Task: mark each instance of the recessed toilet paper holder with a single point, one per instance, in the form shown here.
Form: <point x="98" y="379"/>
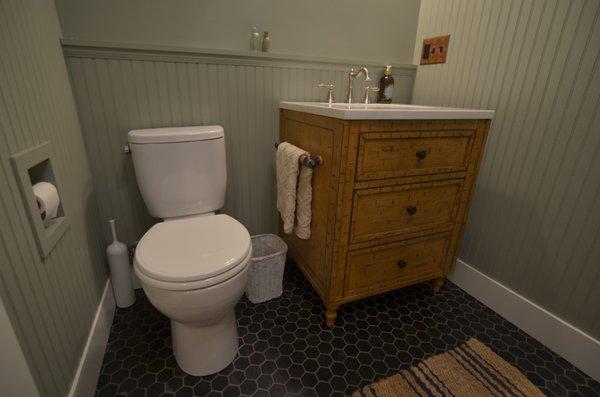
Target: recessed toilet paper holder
<point x="31" y="166"/>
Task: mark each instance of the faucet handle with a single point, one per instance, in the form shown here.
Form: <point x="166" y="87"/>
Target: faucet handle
<point x="330" y="88"/>
<point x="368" y="91"/>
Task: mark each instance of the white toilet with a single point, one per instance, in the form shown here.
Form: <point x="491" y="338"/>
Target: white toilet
<point x="193" y="266"/>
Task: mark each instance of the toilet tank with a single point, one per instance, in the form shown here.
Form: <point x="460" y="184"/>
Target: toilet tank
<point x="180" y="171"/>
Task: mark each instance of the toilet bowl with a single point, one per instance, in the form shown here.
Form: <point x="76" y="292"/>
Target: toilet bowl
<point x="193" y="266"/>
<point x="194" y="270"/>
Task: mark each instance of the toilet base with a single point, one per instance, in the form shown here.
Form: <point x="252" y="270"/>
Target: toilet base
<point x="205" y="350"/>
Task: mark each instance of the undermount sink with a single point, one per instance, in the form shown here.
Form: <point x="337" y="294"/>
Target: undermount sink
<point x="385" y="111"/>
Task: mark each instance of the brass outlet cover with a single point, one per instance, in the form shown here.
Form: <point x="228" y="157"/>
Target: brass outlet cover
<point x="435" y="50"/>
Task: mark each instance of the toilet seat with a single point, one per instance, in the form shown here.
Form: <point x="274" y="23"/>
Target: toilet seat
<point x="192" y="253"/>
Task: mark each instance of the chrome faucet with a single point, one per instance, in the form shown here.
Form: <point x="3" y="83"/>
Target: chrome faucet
<point x="351" y="76"/>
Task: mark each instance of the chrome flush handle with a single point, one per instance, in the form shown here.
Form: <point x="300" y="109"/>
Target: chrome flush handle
<point x="330" y="88"/>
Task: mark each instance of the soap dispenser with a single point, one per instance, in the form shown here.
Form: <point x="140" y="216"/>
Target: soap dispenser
<point x="386" y="86"/>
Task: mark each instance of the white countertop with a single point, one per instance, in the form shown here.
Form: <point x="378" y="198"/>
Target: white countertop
<point x="382" y="111"/>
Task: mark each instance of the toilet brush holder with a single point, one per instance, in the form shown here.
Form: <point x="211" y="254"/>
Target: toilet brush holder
<point x="120" y="270"/>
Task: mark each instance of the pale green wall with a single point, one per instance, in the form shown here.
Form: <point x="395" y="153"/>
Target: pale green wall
<point x="51" y="302"/>
<point x="535" y="220"/>
<point x="381" y="30"/>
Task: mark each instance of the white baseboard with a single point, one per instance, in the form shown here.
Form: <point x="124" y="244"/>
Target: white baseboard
<point x="88" y="371"/>
<point x="580" y="349"/>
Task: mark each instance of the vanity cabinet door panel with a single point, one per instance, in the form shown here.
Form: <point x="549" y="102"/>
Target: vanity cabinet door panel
<point x="384" y="155"/>
<point x="390" y="266"/>
<point x="395" y="210"/>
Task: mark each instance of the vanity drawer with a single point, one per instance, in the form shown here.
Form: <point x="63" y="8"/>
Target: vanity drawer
<point x="394" y="210"/>
<point x="395" y="154"/>
<point x="394" y="265"/>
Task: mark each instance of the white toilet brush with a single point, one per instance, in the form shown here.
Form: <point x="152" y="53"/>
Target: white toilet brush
<point x="120" y="270"/>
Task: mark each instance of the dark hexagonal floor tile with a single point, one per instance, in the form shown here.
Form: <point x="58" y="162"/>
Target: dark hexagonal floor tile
<point x="285" y="348"/>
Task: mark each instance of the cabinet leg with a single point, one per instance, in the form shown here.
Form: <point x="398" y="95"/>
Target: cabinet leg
<point x="330" y="316"/>
<point x="437" y="284"/>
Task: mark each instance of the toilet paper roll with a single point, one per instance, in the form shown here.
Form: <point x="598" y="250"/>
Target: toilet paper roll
<point x="47" y="199"/>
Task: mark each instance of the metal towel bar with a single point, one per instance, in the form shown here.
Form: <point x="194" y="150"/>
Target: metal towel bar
<point x="308" y="161"/>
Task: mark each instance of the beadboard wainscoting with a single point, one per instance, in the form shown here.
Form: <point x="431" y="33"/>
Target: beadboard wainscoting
<point x="118" y="88"/>
<point x="535" y="220"/>
<point x="50" y="301"/>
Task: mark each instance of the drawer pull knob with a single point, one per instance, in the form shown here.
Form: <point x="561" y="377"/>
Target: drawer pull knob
<point x="401" y="264"/>
<point x="411" y="209"/>
<point x="421" y="154"/>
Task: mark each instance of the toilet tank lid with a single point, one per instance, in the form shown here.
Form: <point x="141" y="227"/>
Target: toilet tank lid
<point x="175" y="134"/>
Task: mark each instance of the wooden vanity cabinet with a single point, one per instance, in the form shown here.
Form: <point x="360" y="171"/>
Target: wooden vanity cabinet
<point x="389" y="201"/>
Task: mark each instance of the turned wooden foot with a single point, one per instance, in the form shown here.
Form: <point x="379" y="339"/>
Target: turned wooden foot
<point x="330" y="316"/>
<point x="437" y="284"/>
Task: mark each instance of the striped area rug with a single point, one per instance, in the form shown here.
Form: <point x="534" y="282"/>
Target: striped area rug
<point x="470" y="369"/>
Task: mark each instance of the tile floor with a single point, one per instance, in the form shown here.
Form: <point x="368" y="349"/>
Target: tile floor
<point x="285" y="349"/>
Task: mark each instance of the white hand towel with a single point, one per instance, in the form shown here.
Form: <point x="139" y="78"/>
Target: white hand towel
<point x="303" y="203"/>
<point x="286" y="162"/>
